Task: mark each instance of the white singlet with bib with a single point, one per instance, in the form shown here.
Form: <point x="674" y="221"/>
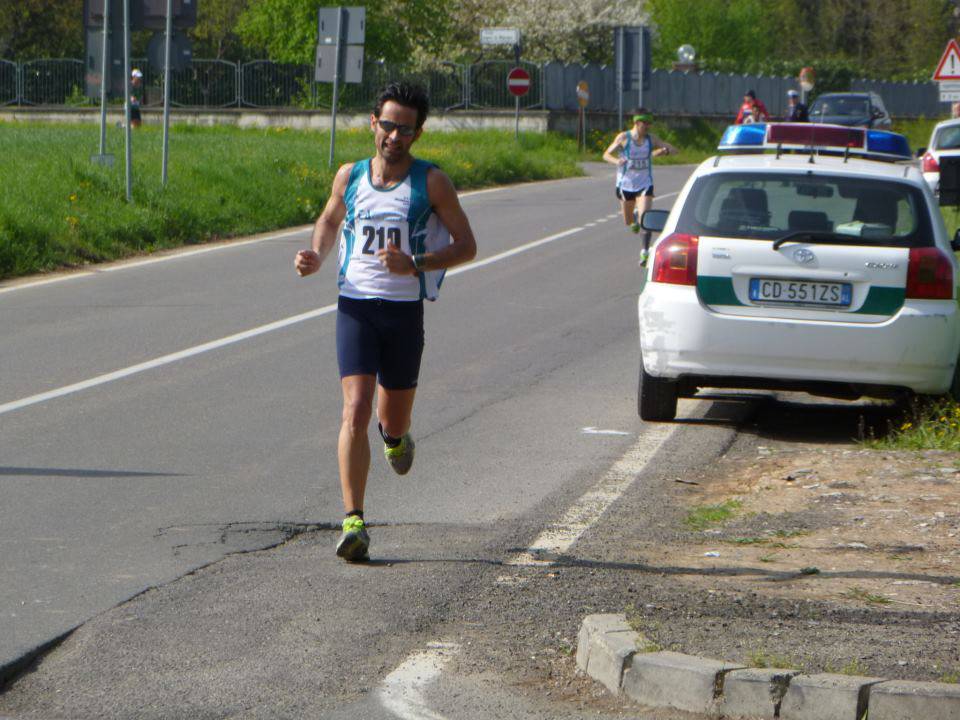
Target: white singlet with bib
<point x="401" y="215"/>
<point x="636" y="173"/>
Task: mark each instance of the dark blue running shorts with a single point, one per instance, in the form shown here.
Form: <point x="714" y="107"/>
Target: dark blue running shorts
<point x="629" y="195"/>
<point x="380" y="337"/>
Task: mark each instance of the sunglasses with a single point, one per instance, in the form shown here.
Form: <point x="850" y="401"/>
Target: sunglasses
<point x="388" y="126"/>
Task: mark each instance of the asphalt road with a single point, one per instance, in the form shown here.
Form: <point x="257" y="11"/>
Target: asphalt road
<point x="157" y="417"/>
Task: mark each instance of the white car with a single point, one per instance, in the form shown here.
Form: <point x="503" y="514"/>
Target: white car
<point x="944" y="140"/>
<point x="803" y="257"/>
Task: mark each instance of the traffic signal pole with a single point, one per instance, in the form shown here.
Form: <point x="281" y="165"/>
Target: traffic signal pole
<point x="104" y="72"/>
<point x="126" y="95"/>
<point x="166" y="95"/>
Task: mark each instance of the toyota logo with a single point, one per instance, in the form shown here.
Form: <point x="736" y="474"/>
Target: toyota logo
<point x="804" y="256"/>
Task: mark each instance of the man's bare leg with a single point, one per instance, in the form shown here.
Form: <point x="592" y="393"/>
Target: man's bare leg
<point x="394" y="409"/>
<point x="353" y="447"/>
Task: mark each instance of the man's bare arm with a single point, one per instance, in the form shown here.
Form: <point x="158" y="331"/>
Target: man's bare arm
<point x="328" y="224"/>
<point x="443" y="197"/>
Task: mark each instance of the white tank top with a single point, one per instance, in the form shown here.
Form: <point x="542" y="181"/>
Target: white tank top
<point x="401" y="214"/>
<point x="636" y="173"/>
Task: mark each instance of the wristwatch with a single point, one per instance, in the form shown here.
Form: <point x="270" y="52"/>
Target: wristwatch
<point x="419" y="262"/>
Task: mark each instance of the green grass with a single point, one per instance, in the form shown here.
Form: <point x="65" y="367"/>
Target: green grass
<point x="858" y="593"/>
<point x="763" y="659"/>
<point x="59" y="210"/>
<point x="923" y="425"/>
<point x="706" y="516"/>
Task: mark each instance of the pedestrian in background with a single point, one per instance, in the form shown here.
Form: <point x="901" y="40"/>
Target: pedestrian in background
<point x="752" y="110"/>
<point x="136" y="83"/>
<point x="796" y="110"/>
<point x="955" y="110"/>
<point x="402" y="227"/>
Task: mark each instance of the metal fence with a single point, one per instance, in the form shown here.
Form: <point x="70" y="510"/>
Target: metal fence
<point x="452" y="86"/>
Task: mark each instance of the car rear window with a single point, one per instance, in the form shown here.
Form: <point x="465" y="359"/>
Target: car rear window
<point x="836" y="105"/>
<point x="948" y="138"/>
<point x="765" y="206"/>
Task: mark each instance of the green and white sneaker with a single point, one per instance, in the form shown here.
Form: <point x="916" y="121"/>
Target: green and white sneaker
<point x="635" y="228"/>
<point x="400" y="457"/>
<point x="354" y="543"/>
<point x="644" y="256"/>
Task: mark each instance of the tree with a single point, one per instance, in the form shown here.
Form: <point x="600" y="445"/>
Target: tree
<point x="572" y="32"/>
<point x="41" y="28"/>
<point x="287" y="29"/>
<point x="214" y="35"/>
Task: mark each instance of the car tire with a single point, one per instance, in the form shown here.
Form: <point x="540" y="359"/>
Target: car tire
<point x="656" y="397"/>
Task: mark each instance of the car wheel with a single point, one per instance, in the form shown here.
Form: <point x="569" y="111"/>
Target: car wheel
<point x="656" y="397"/>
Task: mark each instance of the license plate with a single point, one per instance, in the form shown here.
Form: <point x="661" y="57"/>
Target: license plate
<point x="800" y="292"/>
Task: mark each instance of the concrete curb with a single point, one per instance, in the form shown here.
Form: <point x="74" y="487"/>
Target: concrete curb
<point x="627" y="663"/>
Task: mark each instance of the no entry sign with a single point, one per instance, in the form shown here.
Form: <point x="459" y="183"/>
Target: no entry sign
<point x="518" y="82"/>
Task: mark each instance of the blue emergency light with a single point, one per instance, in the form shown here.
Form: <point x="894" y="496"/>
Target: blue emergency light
<point x="815" y="137"/>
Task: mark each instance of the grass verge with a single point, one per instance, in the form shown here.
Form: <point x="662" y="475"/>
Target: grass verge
<point x="706" y="516"/>
<point x="59" y="210"/>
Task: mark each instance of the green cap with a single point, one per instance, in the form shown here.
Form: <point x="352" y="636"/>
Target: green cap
<point x="643" y="118"/>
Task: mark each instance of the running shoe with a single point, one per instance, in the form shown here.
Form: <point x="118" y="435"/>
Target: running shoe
<point x="400" y="456"/>
<point x="644" y="256"/>
<point x="635" y="227"/>
<point x="354" y="542"/>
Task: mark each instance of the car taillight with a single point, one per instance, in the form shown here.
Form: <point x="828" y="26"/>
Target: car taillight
<point x="676" y="260"/>
<point x="929" y="274"/>
<point x="930" y="163"/>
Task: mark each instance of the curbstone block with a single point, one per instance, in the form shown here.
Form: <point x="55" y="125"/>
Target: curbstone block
<point x="754" y="692"/>
<point x="669" y="679"/>
<point x="826" y="696"/>
<point x="909" y="699"/>
<point x="593" y="625"/>
<point x="605" y="645"/>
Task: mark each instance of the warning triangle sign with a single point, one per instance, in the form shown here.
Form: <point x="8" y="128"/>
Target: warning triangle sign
<point x="949" y="66"/>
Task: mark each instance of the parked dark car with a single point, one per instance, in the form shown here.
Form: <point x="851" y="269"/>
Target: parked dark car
<point x="856" y="109"/>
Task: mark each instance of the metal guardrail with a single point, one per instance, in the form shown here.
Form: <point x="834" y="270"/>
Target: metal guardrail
<point x="9" y="83"/>
<point x="482" y="85"/>
<point x="488" y="85"/>
<point x="50" y="82"/>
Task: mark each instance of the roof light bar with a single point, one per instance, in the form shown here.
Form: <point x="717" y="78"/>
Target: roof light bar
<point x="810" y="137"/>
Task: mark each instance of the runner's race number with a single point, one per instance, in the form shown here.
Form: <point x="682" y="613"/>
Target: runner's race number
<point x="374" y="237"/>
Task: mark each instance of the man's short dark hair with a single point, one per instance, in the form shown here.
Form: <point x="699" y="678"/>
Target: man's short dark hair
<point x="407" y="94"/>
<point x="750" y="94"/>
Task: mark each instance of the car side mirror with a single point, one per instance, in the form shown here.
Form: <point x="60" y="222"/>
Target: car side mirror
<point x="654" y="220"/>
<point x="955" y="243"/>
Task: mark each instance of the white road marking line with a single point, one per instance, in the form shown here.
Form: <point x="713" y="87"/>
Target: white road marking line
<point x="178" y="255"/>
<point x="597" y="431"/>
<point x="589" y="224"/>
<point x="184" y="253"/>
<point x="560" y="537"/>
<point x="402" y="690"/>
<point x="245" y="335"/>
<point x="164" y="360"/>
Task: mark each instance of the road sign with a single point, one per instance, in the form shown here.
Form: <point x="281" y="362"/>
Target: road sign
<point x="353" y="30"/>
<point x="499" y="36"/>
<point x="807" y="79"/>
<point x="518" y="82"/>
<point x="949" y="90"/>
<point x="949" y="66"/>
<point x="583" y="93"/>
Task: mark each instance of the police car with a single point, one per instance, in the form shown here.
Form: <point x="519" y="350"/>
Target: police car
<point x="803" y="257"/>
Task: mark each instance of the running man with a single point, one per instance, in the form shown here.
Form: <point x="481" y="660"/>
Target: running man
<point x="402" y="227"/>
<point x="632" y="152"/>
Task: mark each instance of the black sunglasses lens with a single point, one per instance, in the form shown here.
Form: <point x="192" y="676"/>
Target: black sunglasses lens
<point x="389" y="126"/>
